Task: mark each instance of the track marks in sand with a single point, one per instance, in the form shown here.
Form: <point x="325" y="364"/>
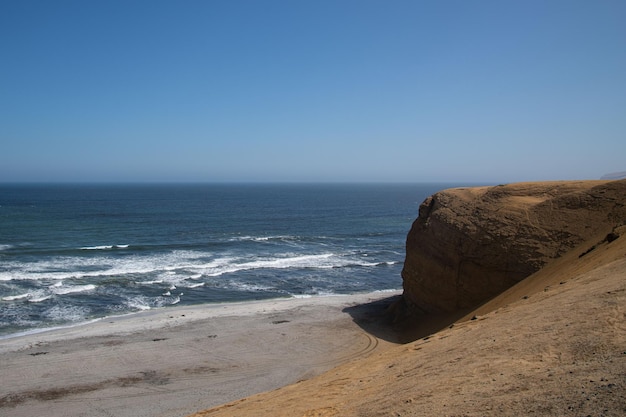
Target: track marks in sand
<point x="370" y="343"/>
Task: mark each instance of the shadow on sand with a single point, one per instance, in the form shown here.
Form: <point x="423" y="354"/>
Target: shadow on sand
<point x="385" y="319"/>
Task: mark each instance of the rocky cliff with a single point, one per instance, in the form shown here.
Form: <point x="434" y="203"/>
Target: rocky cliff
<point x="470" y="244"/>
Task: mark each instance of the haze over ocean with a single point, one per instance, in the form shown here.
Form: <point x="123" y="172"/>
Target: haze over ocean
<point x="331" y="91"/>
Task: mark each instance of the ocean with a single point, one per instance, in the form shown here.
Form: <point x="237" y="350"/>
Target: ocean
<point x="75" y="253"/>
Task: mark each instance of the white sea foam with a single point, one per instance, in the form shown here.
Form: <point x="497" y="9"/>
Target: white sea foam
<point x="66" y="313"/>
<point x="105" y="247"/>
<point x="318" y="293"/>
<point x="326" y="260"/>
<point x="386" y="290"/>
<point x="321" y="293"/>
<point x="17" y="297"/>
<point x="172" y="267"/>
<point x="138" y="303"/>
<point x="97" y="247"/>
<point x="39" y="299"/>
<point x="66" y="267"/>
<point x="249" y="287"/>
<point x="73" y="289"/>
<point x="317" y="261"/>
<point x="146" y="303"/>
<point x="5" y="247"/>
<point x="263" y="238"/>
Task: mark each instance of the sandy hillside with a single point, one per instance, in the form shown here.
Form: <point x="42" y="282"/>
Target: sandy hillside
<point x="554" y="344"/>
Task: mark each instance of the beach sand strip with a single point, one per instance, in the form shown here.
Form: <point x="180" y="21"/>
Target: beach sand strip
<point x="175" y="361"/>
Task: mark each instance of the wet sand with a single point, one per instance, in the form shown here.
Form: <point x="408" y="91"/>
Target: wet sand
<point x="175" y="361"/>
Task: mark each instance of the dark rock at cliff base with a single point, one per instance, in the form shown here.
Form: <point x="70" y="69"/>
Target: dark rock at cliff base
<point x="470" y="244"/>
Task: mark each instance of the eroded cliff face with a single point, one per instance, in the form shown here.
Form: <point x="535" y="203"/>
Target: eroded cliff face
<point x="470" y="244"/>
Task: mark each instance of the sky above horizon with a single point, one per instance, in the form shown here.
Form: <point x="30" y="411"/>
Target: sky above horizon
<point x="312" y="91"/>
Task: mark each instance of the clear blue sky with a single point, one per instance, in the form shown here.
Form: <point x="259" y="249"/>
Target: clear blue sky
<point x="263" y="90"/>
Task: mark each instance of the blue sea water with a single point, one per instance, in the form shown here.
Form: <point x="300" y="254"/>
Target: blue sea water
<point x="72" y="253"/>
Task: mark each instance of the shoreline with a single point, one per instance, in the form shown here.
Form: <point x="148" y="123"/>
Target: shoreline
<point x="178" y="360"/>
<point x="173" y="307"/>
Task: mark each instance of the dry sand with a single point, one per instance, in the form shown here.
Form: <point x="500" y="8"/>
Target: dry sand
<point x="175" y="361"/>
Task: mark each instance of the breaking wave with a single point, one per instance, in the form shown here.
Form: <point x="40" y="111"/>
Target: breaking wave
<point x="105" y="247"/>
<point x="190" y="264"/>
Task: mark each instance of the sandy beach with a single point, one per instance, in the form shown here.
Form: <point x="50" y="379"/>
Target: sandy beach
<point x="175" y="361"/>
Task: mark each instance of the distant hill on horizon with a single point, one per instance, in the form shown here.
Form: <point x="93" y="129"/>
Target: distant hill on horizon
<point x="614" y="176"/>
